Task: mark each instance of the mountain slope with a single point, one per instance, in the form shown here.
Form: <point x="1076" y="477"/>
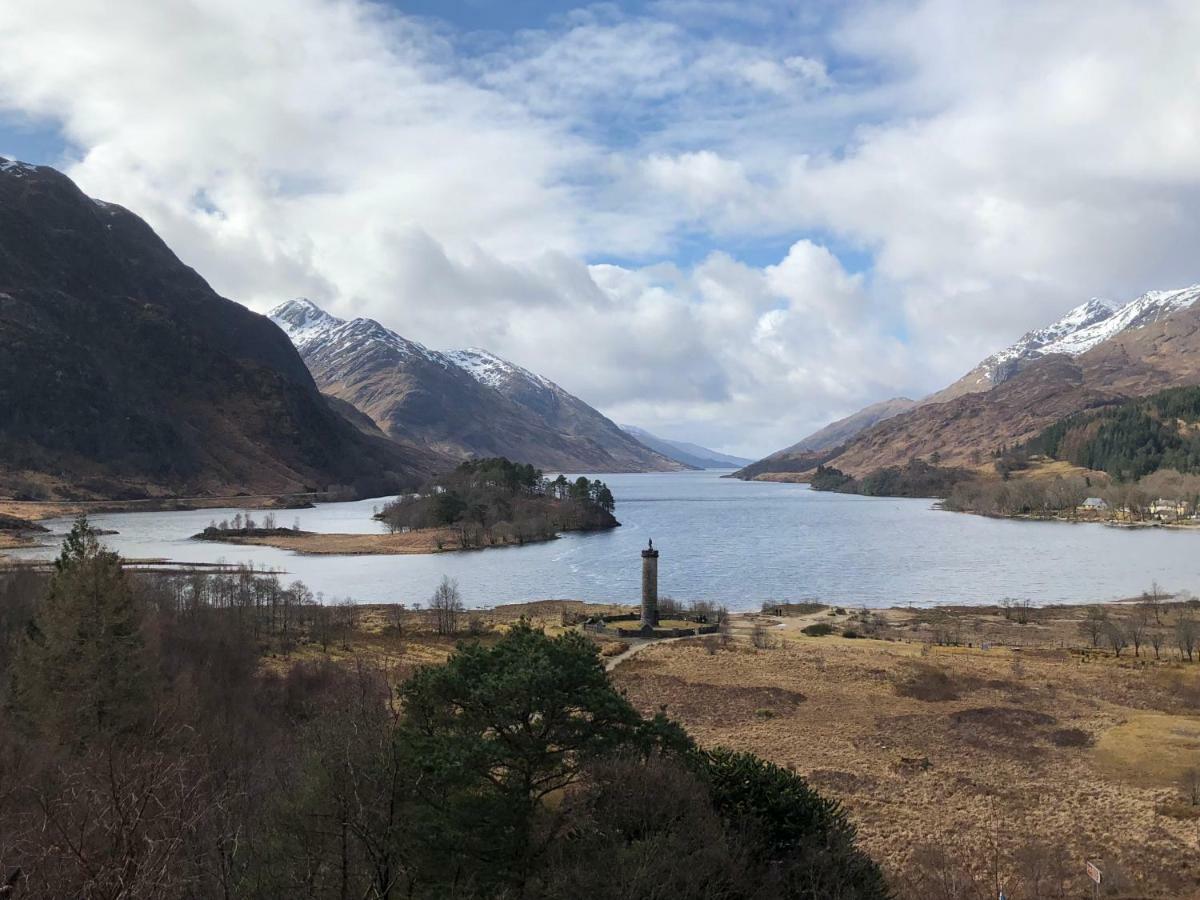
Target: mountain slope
<point x="837" y="433"/>
<point x="685" y="452"/>
<point x="463" y="403"/>
<point x="1149" y="344"/>
<point x="123" y="374"/>
<point x="563" y="412"/>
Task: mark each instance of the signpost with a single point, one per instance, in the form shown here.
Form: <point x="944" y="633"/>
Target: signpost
<point x="1093" y="872"/>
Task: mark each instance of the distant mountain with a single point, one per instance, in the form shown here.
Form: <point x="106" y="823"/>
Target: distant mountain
<point x="1098" y="354"/>
<point x="836" y="433"/>
<point x="465" y="403"/>
<point x="122" y="374"/>
<point x="687" y="453"/>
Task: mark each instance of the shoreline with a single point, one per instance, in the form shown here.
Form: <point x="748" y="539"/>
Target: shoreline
<point x="938" y="504"/>
<point x="411" y="543"/>
<point x="40" y="510"/>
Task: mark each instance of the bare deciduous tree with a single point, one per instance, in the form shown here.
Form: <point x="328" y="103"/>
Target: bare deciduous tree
<point x="1115" y="634"/>
<point x="761" y="637"/>
<point x="447" y="605"/>
<point x="1189" y="784"/>
<point x="1187" y="632"/>
<point x="1157" y="638"/>
<point x="1137" y="627"/>
<point x="1094" y="624"/>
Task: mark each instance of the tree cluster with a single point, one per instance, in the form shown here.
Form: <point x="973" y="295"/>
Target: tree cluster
<point x="1132" y="439"/>
<point x="917" y="478"/>
<point x="495" y="501"/>
<point x="1152" y="625"/>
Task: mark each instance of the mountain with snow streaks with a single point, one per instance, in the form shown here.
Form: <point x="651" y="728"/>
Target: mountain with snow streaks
<point x="466" y="403"/>
<point x="1098" y="354"/>
<point x="1084" y="327"/>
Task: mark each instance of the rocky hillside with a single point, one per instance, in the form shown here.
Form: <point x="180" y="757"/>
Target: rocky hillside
<point x="1147" y="345"/>
<point x="685" y="452"/>
<point x="122" y="374"/>
<point x="465" y="403"/>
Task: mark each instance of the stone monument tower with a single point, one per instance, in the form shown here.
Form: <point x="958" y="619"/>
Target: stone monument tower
<point x="650" y="587"/>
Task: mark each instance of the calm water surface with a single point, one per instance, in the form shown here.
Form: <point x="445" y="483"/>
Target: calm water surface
<point x="730" y="541"/>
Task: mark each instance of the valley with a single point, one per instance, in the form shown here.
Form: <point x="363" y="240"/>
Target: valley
<point x="635" y="450"/>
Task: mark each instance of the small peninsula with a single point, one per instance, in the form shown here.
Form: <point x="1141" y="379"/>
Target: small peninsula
<point x="482" y="504"/>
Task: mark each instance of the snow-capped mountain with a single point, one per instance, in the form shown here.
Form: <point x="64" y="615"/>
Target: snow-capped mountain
<point x="465" y="403"/>
<point x="1151" y="307"/>
<point x="1097" y="355"/>
<point x="1083" y="328"/>
<point x="309" y="326"/>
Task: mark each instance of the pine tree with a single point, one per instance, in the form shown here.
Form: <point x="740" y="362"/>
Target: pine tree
<point x="83" y="671"/>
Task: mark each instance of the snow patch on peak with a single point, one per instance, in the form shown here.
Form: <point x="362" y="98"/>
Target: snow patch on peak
<point x="1084" y="327"/>
<point x="15" y="167"/>
<point x="1147" y="309"/>
<point x="303" y="321"/>
<point x="489" y="369"/>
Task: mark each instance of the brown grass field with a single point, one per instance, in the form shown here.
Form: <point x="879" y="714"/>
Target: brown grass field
<point x="965" y="770"/>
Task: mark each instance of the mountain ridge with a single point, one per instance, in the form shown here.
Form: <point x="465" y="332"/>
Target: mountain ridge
<point x="465" y="403"/>
<point x="686" y="452"/>
<point x="123" y="374"/>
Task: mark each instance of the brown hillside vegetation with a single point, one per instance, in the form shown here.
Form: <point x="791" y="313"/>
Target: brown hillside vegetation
<point x="964" y="769"/>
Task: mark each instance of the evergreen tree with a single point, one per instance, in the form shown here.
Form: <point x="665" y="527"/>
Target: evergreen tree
<point x="82" y="672"/>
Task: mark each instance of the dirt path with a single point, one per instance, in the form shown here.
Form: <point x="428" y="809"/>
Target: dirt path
<point x="613" y="661"/>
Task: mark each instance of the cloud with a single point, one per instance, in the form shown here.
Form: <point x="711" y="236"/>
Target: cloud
<point x="577" y="196"/>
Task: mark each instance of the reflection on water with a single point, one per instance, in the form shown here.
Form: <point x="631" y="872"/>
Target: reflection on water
<point x="734" y="542"/>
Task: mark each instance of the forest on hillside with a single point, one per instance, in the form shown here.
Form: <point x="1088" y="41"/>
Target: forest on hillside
<point x="224" y="735"/>
<point x="1132" y="439"/>
<point x="495" y="501"/>
<point x="917" y="478"/>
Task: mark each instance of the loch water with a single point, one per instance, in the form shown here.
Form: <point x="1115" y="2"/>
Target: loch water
<point x="734" y="542"/>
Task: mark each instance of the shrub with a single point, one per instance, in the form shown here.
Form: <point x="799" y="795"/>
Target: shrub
<point x="851" y="633"/>
<point x="762" y="638"/>
<point x="817" y="629"/>
<point x="615" y="648"/>
<point x="929" y="683"/>
<point x="1071" y="737"/>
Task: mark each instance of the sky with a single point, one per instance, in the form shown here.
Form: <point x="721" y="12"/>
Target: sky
<point x="725" y="221"/>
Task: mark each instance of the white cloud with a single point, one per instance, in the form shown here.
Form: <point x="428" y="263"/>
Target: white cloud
<point x="993" y="168"/>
